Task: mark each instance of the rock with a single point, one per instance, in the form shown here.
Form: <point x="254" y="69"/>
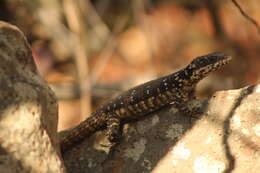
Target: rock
<point x="28" y="110"/>
<point x="224" y="138"/>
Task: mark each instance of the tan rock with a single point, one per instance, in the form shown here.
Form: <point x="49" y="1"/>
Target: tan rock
<point x="28" y="110"/>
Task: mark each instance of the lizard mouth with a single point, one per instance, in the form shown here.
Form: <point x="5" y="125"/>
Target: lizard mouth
<point x="225" y="59"/>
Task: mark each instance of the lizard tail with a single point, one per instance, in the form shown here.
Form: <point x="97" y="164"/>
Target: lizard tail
<point x="83" y="130"/>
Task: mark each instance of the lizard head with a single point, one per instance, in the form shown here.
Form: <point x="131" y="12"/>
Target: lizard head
<point x="201" y="66"/>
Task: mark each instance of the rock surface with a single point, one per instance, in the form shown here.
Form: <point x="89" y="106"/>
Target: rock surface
<point x="225" y="138"/>
<point x="28" y="110"/>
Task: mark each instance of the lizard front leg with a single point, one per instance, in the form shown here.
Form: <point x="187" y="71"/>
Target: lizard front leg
<point x="187" y="104"/>
<point x="188" y="108"/>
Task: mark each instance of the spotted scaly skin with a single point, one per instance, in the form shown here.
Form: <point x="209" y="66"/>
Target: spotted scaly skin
<point x="177" y="89"/>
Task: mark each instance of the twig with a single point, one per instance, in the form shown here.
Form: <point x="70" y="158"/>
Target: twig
<point x="108" y="50"/>
<point x="76" y="25"/>
<point x="103" y="33"/>
<point x="100" y="28"/>
<point x="246" y="15"/>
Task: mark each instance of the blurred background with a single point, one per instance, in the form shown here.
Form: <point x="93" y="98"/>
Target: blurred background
<point x="89" y="51"/>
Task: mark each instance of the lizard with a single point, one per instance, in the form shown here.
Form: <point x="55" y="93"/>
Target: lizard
<point x="177" y="88"/>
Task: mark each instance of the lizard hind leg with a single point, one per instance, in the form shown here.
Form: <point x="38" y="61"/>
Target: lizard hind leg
<point x="113" y="129"/>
